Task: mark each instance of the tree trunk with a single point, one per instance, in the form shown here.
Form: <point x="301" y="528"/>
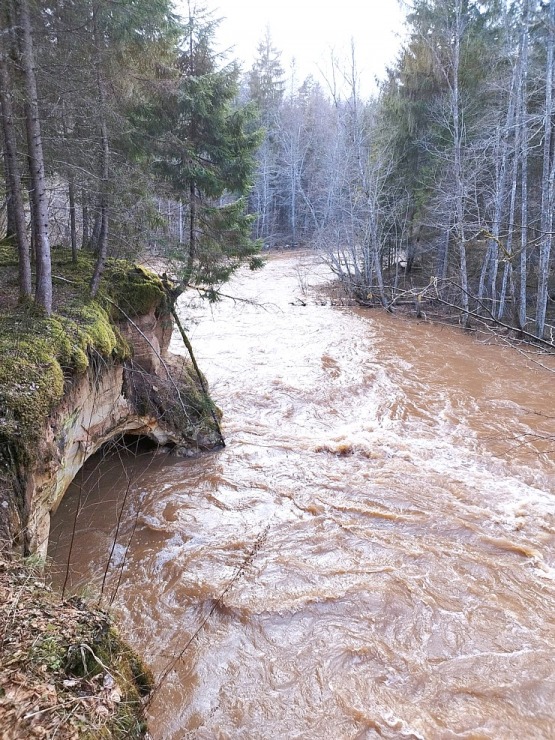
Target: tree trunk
<point x="15" y="205"/>
<point x="502" y="159"/>
<point x="457" y="140"/>
<point x="72" y="220"/>
<point x="445" y="257"/>
<point x="70" y="191"/>
<point x="546" y="195"/>
<point x="508" y="280"/>
<point x="104" y="167"/>
<point x="102" y="249"/>
<point x="379" y="277"/>
<point x="180" y="227"/>
<point x="192" y="232"/>
<point x="43" y="292"/>
<point x="11" y="232"/>
<point x="94" y="241"/>
<point x="524" y="171"/>
<point x="85" y="218"/>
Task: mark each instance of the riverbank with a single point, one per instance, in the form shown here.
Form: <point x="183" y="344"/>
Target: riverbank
<point x="415" y="298"/>
<point x="71" y="382"/>
<point x="94" y="371"/>
<point x="65" y="671"/>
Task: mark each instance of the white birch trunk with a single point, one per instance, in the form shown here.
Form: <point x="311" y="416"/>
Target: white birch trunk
<point x="546" y="198"/>
<point x="459" y="181"/>
<point x="524" y="172"/>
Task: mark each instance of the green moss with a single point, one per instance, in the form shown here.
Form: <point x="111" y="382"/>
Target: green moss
<point x="64" y="653"/>
<point x="49" y="650"/>
<point x="39" y="354"/>
<point x="91" y="330"/>
<point x="134" y="289"/>
<point x="97" y="650"/>
<point x="105" y="649"/>
<point x="31" y="375"/>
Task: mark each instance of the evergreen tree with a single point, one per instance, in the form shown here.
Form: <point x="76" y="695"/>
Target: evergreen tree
<point x="69" y="71"/>
<point x="16" y="221"/>
<point x="265" y="80"/>
<point x="206" y="154"/>
<point x="265" y="87"/>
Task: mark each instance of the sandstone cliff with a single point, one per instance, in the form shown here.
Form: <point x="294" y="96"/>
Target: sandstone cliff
<point x="69" y="384"/>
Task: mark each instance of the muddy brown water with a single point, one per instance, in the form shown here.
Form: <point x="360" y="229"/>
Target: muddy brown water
<point x="373" y="553"/>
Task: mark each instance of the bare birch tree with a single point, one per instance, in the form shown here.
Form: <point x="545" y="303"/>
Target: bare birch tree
<point x="547" y="180"/>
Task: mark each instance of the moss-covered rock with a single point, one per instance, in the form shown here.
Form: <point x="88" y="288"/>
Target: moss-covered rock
<point x="89" y="366"/>
<point x="134" y="289"/>
<point x="70" y="382"/>
<point x="39" y="355"/>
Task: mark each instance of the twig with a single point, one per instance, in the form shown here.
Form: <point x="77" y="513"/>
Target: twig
<point x="57" y="706"/>
<point x="189" y="346"/>
<point x="495" y="320"/>
<point x="240" y="570"/>
<point x="158" y="355"/>
<point x="129" y="541"/>
<point x="115" y="537"/>
<point x="235" y="299"/>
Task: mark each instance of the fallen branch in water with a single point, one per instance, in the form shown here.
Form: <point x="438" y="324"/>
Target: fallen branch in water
<point x="238" y="573"/>
<point x="496" y="321"/>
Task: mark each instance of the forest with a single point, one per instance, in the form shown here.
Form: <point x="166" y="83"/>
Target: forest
<point x="365" y="544"/>
<point x="126" y="131"/>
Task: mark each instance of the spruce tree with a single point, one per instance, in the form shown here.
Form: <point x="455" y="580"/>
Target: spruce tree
<point x="207" y="157"/>
<point x="265" y="88"/>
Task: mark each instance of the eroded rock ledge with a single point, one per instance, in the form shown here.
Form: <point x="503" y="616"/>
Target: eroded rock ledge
<point x="153" y="395"/>
<point x="131" y="386"/>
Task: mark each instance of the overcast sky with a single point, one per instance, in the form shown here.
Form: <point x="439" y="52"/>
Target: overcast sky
<point x="308" y="29"/>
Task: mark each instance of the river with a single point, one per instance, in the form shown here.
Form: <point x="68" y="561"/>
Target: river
<point x="372" y="555"/>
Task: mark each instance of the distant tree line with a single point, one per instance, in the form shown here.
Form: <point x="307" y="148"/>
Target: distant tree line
<point x="106" y="108"/>
<point x="124" y="130"/>
<point x="441" y="187"/>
